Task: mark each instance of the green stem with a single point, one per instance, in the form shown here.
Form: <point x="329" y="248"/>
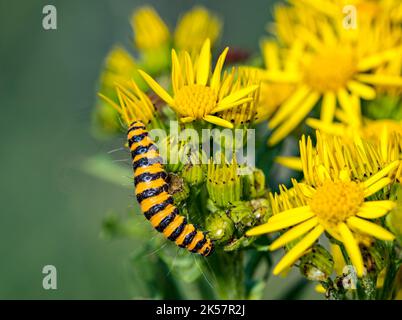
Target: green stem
<point x="229" y="275"/>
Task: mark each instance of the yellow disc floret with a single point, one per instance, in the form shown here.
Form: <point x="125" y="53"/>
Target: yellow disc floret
<point x="195" y="100"/>
<point x="330" y="69"/>
<point x="334" y="202"/>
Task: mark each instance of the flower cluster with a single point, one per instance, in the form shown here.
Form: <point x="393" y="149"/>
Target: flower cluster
<point x="330" y="78"/>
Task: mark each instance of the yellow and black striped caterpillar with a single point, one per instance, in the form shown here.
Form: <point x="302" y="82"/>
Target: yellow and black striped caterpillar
<point x="151" y="190"/>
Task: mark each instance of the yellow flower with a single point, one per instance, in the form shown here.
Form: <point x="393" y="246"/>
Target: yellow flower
<point x="198" y="95"/>
<point x="120" y="67"/>
<point x="338" y="207"/>
<point x="133" y="104"/>
<point x="379" y="143"/>
<point x="271" y="95"/>
<point x="150" y="32"/>
<point x="330" y="65"/>
<point x="246" y="113"/>
<point x="194" y="27"/>
<point x="338" y="179"/>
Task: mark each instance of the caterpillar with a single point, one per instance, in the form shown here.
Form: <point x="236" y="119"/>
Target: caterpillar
<point x="151" y="190"/>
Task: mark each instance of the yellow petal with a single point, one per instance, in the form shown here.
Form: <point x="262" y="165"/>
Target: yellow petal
<point x="289" y="213"/>
<point x="377" y="59"/>
<point x="375" y="209"/>
<point x="235" y="96"/>
<point x="289" y="106"/>
<point x="361" y="90"/>
<point x="293" y="163"/>
<point x="336" y="129"/>
<point x="298" y="250"/>
<point x="352" y="248"/>
<point x="189" y="68"/>
<point x="187" y="119"/>
<point x="381" y="174"/>
<point x="298" y="115"/>
<point x="370" y="228"/>
<point x="177" y="76"/>
<point x="204" y="63"/>
<point x="157" y="88"/>
<point x="380" y="79"/>
<point x="216" y="76"/>
<point x="382" y="183"/>
<point x="232" y="105"/>
<point x="294" y="233"/>
<point x="218" y="121"/>
<point x="279" y="225"/>
<point x="281" y="77"/>
<point x="328" y="107"/>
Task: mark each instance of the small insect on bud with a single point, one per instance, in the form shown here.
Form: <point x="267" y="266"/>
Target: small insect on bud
<point x="374" y="258"/>
<point x="220" y="227"/>
<point x="178" y="188"/>
<point x="261" y="209"/>
<point x="254" y="184"/>
<point x="317" y="265"/>
<point x="194" y="174"/>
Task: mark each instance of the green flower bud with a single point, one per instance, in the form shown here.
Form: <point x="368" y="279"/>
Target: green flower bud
<point x="241" y="214"/>
<point x="219" y="226"/>
<point x="178" y="188"/>
<point x="223" y="184"/>
<point x="317" y="265"/>
<point x="261" y="210"/>
<point x="194" y="174"/>
<point x="254" y="184"/>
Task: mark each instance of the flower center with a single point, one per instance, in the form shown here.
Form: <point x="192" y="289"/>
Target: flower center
<point x="195" y="101"/>
<point x="330" y="69"/>
<point x="334" y="202"/>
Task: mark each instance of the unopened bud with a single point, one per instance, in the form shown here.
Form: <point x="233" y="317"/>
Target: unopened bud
<point x="317" y="265"/>
<point x="194" y="174"/>
<point x="223" y="184"/>
<point x="254" y="184"/>
<point x="219" y="226"/>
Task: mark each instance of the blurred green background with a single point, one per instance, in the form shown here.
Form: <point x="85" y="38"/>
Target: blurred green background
<point x="51" y="210"/>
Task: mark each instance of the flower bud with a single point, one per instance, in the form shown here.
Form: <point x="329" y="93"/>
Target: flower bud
<point x="317" y="265"/>
<point x="223" y="184"/>
<point x="241" y="214"/>
<point x="261" y="210"/>
<point x="194" y="175"/>
<point x="219" y="226"/>
<point x="254" y="184"/>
